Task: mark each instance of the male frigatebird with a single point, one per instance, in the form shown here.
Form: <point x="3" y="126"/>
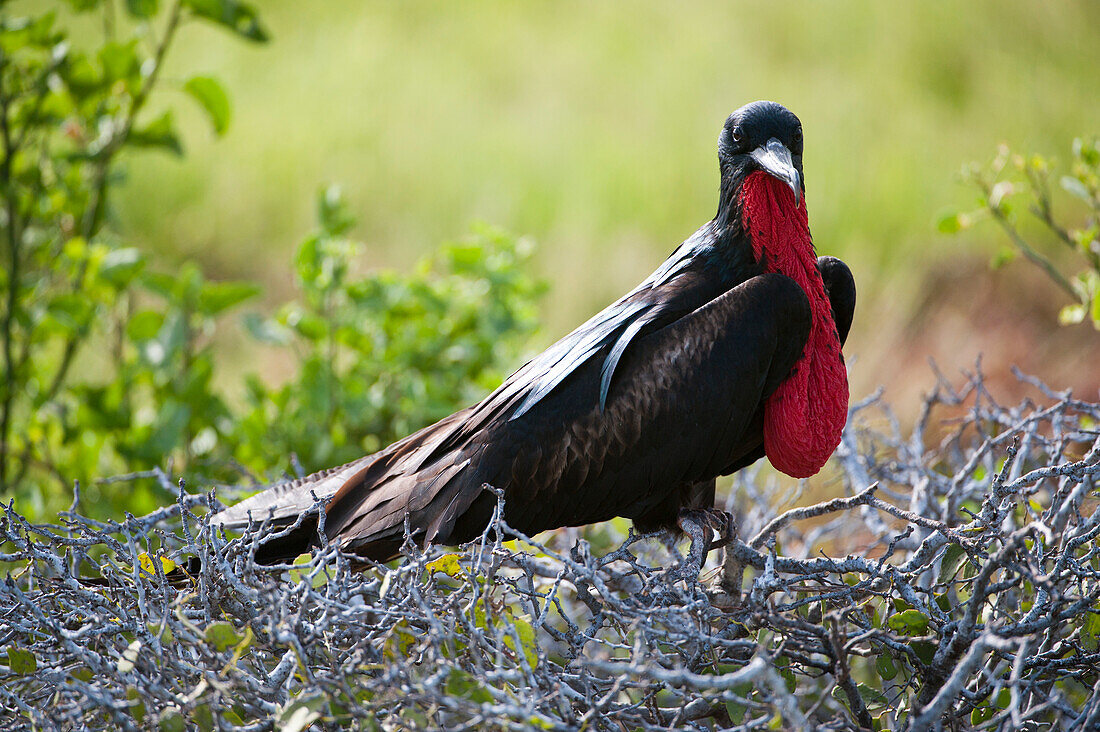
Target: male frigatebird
<point x="730" y="351"/>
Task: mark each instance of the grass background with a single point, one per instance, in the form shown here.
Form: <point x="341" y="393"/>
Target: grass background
<point x="592" y="127"/>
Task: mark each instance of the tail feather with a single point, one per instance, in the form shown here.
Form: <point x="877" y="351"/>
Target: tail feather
<point x="282" y="503"/>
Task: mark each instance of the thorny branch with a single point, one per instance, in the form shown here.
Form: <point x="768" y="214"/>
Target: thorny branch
<point x="955" y="586"/>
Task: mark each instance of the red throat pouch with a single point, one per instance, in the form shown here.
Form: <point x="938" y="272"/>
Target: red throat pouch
<point x="804" y="418"/>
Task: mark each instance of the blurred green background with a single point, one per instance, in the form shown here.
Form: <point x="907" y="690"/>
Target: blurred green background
<point x="592" y="128"/>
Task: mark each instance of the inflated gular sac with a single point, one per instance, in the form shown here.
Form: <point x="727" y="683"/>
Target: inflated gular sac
<point x="804" y="418"/>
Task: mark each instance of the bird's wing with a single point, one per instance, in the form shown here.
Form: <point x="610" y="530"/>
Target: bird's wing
<point x="840" y="286"/>
<point x="650" y="302"/>
<point x="662" y="297"/>
<point x="687" y="394"/>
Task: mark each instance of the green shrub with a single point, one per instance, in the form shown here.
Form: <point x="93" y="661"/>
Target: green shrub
<point x="109" y="364"/>
<point x="95" y="380"/>
<point x="381" y="355"/>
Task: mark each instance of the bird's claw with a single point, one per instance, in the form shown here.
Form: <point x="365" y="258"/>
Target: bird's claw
<point x="708" y="528"/>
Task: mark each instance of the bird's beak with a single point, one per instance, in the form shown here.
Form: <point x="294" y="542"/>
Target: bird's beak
<point x="774" y="157"/>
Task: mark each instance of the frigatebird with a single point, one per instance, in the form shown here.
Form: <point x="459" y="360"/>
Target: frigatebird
<point x="729" y="351"/>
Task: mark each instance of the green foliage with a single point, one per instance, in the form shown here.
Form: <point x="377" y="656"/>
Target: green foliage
<point x="1013" y="184"/>
<point x="106" y="364"/>
<point x="384" y="354"/>
<point x="109" y="363"/>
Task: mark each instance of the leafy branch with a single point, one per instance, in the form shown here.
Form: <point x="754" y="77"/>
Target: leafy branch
<point x="1014" y="182"/>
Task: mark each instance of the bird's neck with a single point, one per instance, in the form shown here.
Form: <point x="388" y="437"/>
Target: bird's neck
<point x="804" y="418"/>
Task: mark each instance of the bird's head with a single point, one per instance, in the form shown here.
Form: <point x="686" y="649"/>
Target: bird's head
<point x="761" y="136"/>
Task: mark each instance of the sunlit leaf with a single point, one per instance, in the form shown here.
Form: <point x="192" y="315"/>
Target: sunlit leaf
<point x="21" y="662"/>
<point x="908" y="622"/>
<point x="144" y="325"/>
<point x="949" y="222"/>
<point x="239" y="17"/>
<point x="216" y="297"/>
<point x="120" y="266"/>
<point x="266" y="330"/>
<point x="147" y="566"/>
<point x="447" y="564"/>
<point x="1072" y="314"/>
<point x="222" y="636"/>
<point x="1076" y="188"/>
<point x="119" y="60"/>
<point x="159" y="134"/>
<point x="1003" y="256"/>
<point x="142" y="8"/>
<point x="208" y="92"/>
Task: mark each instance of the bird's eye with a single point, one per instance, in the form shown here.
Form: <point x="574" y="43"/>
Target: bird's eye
<point x="798" y="135"/>
<point x="738" y="135"/>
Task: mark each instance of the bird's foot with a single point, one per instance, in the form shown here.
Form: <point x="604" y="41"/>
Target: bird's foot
<point x="708" y="528"/>
<point x="725" y="593"/>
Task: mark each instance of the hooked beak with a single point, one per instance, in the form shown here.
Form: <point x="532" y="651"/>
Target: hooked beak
<point x="774" y="157"/>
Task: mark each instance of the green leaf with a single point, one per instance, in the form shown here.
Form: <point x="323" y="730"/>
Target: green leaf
<point x="1090" y="632"/>
<point x="169" y="339"/>
<point x="1076" y="188"/>
<point x="172" y="721"/>
<point x="120" y="266"/>
<point x="72" y="312"/>
<point x="168" y="434"/>
<point x="908" y="622"/>
<point x="526" y="633"/>
<point x="887" y="669"/>
<point x="310" y="326"/>
<point x="464" y="685"/>
<point x="1003" y="256"/>
<point x="300" y="713"/>
<point x="222" y="636"/>
<point x="203" y="718"/>
<point x="142" y="8"/>
<point x="949" y="222"/>
<point x="137" y="706"/>
<point x="925" y="650"/>
<point x="208" y="92"/>
<point x="119" y="60"/>
<point x="1071" y="314"/>
<point x="332" y="211"/>
<point x="266" y="330"/>
<point x="871" y="697"/>
<point x="949" y="563"/>
<point x="21" y="662"/>
<point x="216" y="297"/>
<point x="241" y="18"/>
<point x="162" y="284"/>
<point x="981" y="714"/>
<point x="144" y="325"/>
<point x="160" y="133"/>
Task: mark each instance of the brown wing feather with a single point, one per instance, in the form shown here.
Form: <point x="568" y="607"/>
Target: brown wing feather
<point x="676" y="416"/>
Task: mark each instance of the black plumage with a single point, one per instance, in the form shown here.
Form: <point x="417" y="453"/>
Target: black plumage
<point x="632" y="414"/>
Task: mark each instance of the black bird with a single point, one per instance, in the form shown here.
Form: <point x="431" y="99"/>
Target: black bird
<point x="730" y="351"/>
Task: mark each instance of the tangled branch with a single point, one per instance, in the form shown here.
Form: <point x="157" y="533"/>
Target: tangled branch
<point x="956" y="585"/>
